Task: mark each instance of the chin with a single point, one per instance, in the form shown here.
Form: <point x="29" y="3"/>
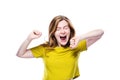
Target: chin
<point x="65" y="44"/>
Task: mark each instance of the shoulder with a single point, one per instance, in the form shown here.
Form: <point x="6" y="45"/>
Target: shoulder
<point x="82" y="45"/>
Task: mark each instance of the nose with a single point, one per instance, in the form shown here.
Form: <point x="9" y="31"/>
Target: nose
<point x="62" y="31"/>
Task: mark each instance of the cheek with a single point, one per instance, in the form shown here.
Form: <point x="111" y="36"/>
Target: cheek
<point x="56" y="34"/>
<point x="68" y="32"/>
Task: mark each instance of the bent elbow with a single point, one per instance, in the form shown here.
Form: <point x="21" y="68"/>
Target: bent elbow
<point x="18" y="55"/>
<point x="101" y="31"/>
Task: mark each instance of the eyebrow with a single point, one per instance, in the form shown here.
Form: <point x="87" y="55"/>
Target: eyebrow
<point x="66" y="26"/>
<point x="63" y="26"/>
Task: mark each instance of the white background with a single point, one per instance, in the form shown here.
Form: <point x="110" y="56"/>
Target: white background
<point x="19" y="17"/>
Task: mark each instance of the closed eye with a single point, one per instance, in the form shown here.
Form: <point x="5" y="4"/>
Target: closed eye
<point x="58" y="28"/>
<point x="66" y="27"/>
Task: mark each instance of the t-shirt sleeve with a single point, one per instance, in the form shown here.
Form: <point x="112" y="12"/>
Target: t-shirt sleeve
<point x="82" y="46"/>
<point x="38" y="51"/>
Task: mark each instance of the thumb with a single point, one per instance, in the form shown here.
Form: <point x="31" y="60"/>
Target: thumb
<point x="36" y="32"/>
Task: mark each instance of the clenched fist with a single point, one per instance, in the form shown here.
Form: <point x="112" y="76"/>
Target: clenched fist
<point x="74" y="42"/>
<point x="34" y="35"/>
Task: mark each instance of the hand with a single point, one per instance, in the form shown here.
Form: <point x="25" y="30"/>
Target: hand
<point x="34" y="35"/>
<point x="74" y="42"/>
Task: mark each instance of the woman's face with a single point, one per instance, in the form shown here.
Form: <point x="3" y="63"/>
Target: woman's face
<point x="62" y="33"/>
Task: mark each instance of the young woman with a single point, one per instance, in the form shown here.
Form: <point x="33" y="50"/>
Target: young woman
<point x="60" y="54"/>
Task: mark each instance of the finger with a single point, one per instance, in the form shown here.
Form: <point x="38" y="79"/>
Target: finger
<point x="72" y="43"/>
<point x="37" y="32"/>
<point x="73" y="39"/>
<point x="72" y="46"/>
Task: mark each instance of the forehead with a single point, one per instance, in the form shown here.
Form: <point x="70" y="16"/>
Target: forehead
<point x="62" y="23"/>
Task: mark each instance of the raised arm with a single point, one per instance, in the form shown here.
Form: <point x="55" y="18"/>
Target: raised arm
<point x="90" y="37"/>
<point x="23" y="52"/>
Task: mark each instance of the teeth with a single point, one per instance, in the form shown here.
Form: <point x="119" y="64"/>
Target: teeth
<point x="62" y="37"/>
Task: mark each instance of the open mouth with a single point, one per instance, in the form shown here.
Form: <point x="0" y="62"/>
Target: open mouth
<point x="63" y="37"/>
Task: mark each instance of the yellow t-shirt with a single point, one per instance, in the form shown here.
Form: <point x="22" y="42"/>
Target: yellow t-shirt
<point x="60" y="63"/>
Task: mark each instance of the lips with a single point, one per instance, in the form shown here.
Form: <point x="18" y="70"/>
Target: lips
<point x="63" y="37"/>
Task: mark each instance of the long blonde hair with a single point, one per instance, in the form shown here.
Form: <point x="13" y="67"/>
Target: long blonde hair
<point x="52" y="42"/>
<point x="52" y="28"/>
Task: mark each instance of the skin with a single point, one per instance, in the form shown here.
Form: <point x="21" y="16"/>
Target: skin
<point x="62" y="30"/>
